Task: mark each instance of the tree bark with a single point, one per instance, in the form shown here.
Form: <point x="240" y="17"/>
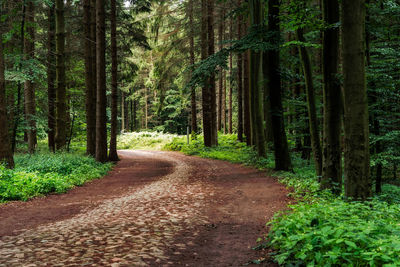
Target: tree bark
<point x="331" y="168"/>
<point x="29" y="89"/>
<point x="221" y="107"/>
<point x="51" y="77"/>
<point x="246" y="98"/>
<point x="256" y="77"/>
<point x="230" y="100"/>
<point x="192" y="61"/>
<point x="61" y="103"/>
<point x="101" y="103"/>
<point x="312" y="111"/>
<point x="90" y="75"/>
<point x="240" y="79"/>
<point x="282" y="158"/>
<point x="212" y="91"/>
<point x="113" y="155"/>
<point x="6" y="155"/>
<point x="356" y="156"/>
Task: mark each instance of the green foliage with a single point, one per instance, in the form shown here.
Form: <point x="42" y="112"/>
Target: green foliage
<point x="46" y="173"/>
<point x="333" y="232"/>
<point x="144" y="140"/>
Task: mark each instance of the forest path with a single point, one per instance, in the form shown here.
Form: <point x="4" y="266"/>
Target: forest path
<point x="153" y="209"/>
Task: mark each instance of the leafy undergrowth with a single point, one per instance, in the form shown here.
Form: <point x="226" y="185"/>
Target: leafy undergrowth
<point x="45" y="173"/>
<point x="320" y="229"/>
<point x="144" y="140"/>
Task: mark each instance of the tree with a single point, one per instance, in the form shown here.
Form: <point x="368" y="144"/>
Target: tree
<point x="256" y="77"/>
<point x="192" y="61"/>
<point x="29" y="89"/>
<point x="61" y="103"/>
<point x="356" y="156"/>
<point x="51" y="77"/>
<point x="101" y="104"/>
<point x="6" y="154"/>
<point x="281" y="148"/>
<point x="90" y="76"/>
<point x="331" y="167"/>
<point x="113" y="155"/>
<point x="240" y="79"/>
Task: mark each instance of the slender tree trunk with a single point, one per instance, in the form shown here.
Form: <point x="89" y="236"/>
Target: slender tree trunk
<point x="230" y="101"/>
<point x="240" y="79"/>
<point x="312" y="111"/>
<point x="246" y="99"/>
<point x="6" y="154"/>
<point x="113" y="155"/>
<point x="356" y="156"/>
<point x="90" y="75"/>
<point x="61" y="105"/>
<point x="146" y="100"/>
<point x="192" y="61"/>
<point x="51" y="77"/>
<point x="29" y="88"/>
<point x="331" y="168"/>
<point x="123" y="111"/>
<point x="256" y="106"/>
<point x="282" y="158"/>
<point x="212" y="91"/>
<point x="101" y="103"/>
<point x="221" y="30"/>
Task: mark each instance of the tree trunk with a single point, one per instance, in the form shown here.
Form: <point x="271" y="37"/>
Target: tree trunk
<point x="312" y="111"/>
<point x="51" y="77"/>
<point x="101" y="104"/>
<point x="230" y="100"/>
<point x="192" y="61"/>
<point x="240" y="79"/>
<point x="113" y="155"/>
<point x="61" y="105"/>
<point x="246" y="100"/>
<point x="282" y="158"/>
<point x="256" y="106"/>
<point x="6" y="155"/>
<point x="356" y="156"/>
<point x="331" y="168"/>
<point x="29" y="89"/>
<point x="211" y="86"/>
<point x="90" y="75"/>
<point x="221" y="107"/>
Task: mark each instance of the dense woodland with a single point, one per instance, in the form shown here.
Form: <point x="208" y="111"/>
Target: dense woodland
<point x="316" y="77"/>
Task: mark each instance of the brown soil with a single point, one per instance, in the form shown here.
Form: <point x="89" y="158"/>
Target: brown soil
<point x="210" y="217"/>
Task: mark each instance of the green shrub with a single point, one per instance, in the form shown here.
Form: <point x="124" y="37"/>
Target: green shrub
<point x="41" y="174"/>
<point x="144" y="140"/>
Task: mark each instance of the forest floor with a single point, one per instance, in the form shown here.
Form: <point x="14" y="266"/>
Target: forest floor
<point x="153" y="209"/>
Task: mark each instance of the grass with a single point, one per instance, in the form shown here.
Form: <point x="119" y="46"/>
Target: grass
<point x="144" y="140"/>
<point x="320" y="229"/>
<point x="45" y="173"/>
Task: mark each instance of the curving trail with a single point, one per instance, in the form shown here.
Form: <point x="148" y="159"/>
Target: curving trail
<point x="153" y="209"/>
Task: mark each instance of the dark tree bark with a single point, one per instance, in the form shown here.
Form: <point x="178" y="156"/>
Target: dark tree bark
<point x="192" y="61"/>
<point x="240" y="79"/>
<point x="246" y="98"/>
<point x="356" y="156"/>
<point x="282" y="158"/>
<point x="230" y="94"/>
<point x="212" y="89"/>
<point x="331" y="167"/>
<point x="51" y="77"/>
<point x="6" y="155"/>
<point x="101" y="103"/>
<point x="29" y="88"/>
<point x="312" y="111"/>
<point x="90" y="78"/>
<point x="113" y="155"/>
<point x="221" y="106"/>
<point x="61" y="103"/>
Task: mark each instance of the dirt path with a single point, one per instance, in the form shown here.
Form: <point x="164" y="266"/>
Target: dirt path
<point x="153" y="209"/>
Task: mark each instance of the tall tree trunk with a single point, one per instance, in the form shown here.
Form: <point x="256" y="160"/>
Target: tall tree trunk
<point x="221" y="30"/>
<point x="19" y="87"/>
<point x="113" y="155"/>
<point x="331" y="168"/>
<point x="29" y="89"/>
<point x="356" y="156"/>
<point x="246" y="98"/>
<point x="211" y="87"/>
<point x="312" y="111"/>
<point x="6" y="154"/>
<point x="61" y="105"/>
<point x="230" y="100"/>
<point x="192" y="61"/>
<point x="101" y="103"/>
<point x="90" y="75"/>
<point x="240" y="79"/>
<point x="123" y="126"/>
<point x="282" y="158"/>
<point x="51" y="77"/>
